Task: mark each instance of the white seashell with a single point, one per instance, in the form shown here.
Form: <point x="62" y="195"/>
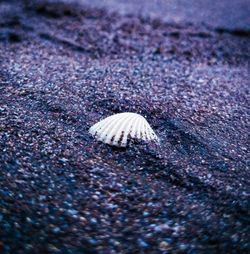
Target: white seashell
<point x="116" y="129"/>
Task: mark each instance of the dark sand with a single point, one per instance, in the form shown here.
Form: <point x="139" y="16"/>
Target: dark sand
<point x="64" y="67"/>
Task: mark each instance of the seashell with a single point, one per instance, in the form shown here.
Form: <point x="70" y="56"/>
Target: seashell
<point x="116" y="129"/>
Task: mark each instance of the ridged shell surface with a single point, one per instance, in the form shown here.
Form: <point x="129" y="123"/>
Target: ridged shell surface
<point x="116" y="129"/>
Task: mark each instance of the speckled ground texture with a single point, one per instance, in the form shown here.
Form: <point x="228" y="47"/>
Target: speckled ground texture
<point x="63" y="67"/>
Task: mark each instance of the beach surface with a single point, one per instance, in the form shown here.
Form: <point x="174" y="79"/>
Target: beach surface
<point x="65" y="65"/>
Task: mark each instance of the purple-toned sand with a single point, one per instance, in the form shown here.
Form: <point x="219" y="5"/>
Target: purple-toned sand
<point x="66" y="65"/>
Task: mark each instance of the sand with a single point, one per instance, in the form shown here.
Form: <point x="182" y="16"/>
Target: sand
<point x="65" y="66"/>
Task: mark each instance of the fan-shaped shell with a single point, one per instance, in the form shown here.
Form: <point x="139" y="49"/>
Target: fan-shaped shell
<point x="116" y="129"/>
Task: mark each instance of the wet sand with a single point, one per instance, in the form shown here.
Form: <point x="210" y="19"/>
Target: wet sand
<point x="66" y="66"/>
